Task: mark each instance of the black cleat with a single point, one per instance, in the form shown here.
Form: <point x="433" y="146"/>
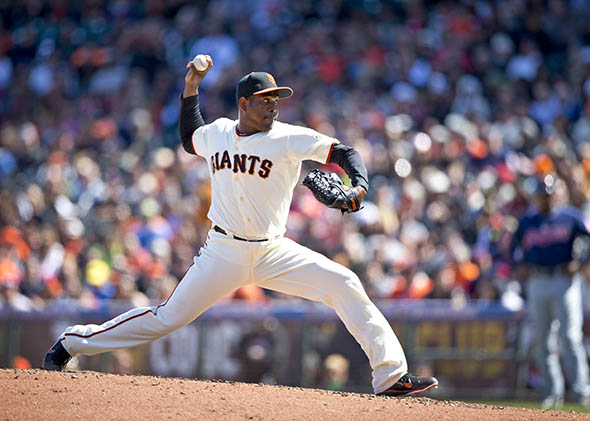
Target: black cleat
<point x="409" y="384"/>
<point x="56" y="358"/>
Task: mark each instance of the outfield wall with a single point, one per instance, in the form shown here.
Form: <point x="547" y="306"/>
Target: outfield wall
<point x="478" y="350"/>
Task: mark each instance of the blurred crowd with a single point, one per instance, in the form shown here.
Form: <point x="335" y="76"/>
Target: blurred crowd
<point x="453" y="105"/>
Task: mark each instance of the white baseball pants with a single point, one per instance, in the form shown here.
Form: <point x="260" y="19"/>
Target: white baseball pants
<point x="225" y="264"/>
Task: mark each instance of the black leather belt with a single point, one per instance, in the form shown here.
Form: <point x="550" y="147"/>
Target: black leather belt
<point x="220" y="230"/>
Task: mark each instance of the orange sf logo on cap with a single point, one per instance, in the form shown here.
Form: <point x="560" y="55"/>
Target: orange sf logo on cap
<point x="271" y="78"/>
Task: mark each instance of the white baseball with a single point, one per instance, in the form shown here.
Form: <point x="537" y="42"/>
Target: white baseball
<point x="200" y="62"/>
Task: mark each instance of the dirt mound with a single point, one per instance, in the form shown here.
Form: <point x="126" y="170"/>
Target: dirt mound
<point x="38" y="394"/>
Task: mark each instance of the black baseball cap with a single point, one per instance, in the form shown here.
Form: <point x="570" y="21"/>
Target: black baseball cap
<point x="258" y="83"/>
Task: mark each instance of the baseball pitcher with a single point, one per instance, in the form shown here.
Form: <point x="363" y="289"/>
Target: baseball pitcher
<point x="254" y="164"/>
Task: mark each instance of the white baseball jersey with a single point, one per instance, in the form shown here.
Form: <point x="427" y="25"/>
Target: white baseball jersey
<point x="253" y="176"/>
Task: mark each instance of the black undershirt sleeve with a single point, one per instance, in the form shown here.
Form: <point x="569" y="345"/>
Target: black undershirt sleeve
<point x="190" y="120"/>
<point x="351" y="162"/>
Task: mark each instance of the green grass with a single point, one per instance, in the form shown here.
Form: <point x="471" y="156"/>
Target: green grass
<point x="567" y="406"/>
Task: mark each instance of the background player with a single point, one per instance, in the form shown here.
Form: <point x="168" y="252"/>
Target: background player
<point x="545" y="240"/>
<point x="254" y="165"/>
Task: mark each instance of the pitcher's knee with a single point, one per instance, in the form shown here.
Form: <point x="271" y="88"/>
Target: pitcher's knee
<point x="170" y="322"/>
<point x="352" y="282"/>
<point x="343" y="283"/>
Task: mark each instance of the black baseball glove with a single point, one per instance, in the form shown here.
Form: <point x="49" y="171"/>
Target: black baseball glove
<point x="329" y="190"/>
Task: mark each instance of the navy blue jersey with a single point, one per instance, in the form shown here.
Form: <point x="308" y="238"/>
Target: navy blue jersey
<point x="547" y="240"/>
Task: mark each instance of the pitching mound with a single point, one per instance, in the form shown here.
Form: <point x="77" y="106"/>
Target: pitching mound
<point x="38" y="394"/>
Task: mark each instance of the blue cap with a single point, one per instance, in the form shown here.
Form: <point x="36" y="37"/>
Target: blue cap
<point x="545" y="185"/>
